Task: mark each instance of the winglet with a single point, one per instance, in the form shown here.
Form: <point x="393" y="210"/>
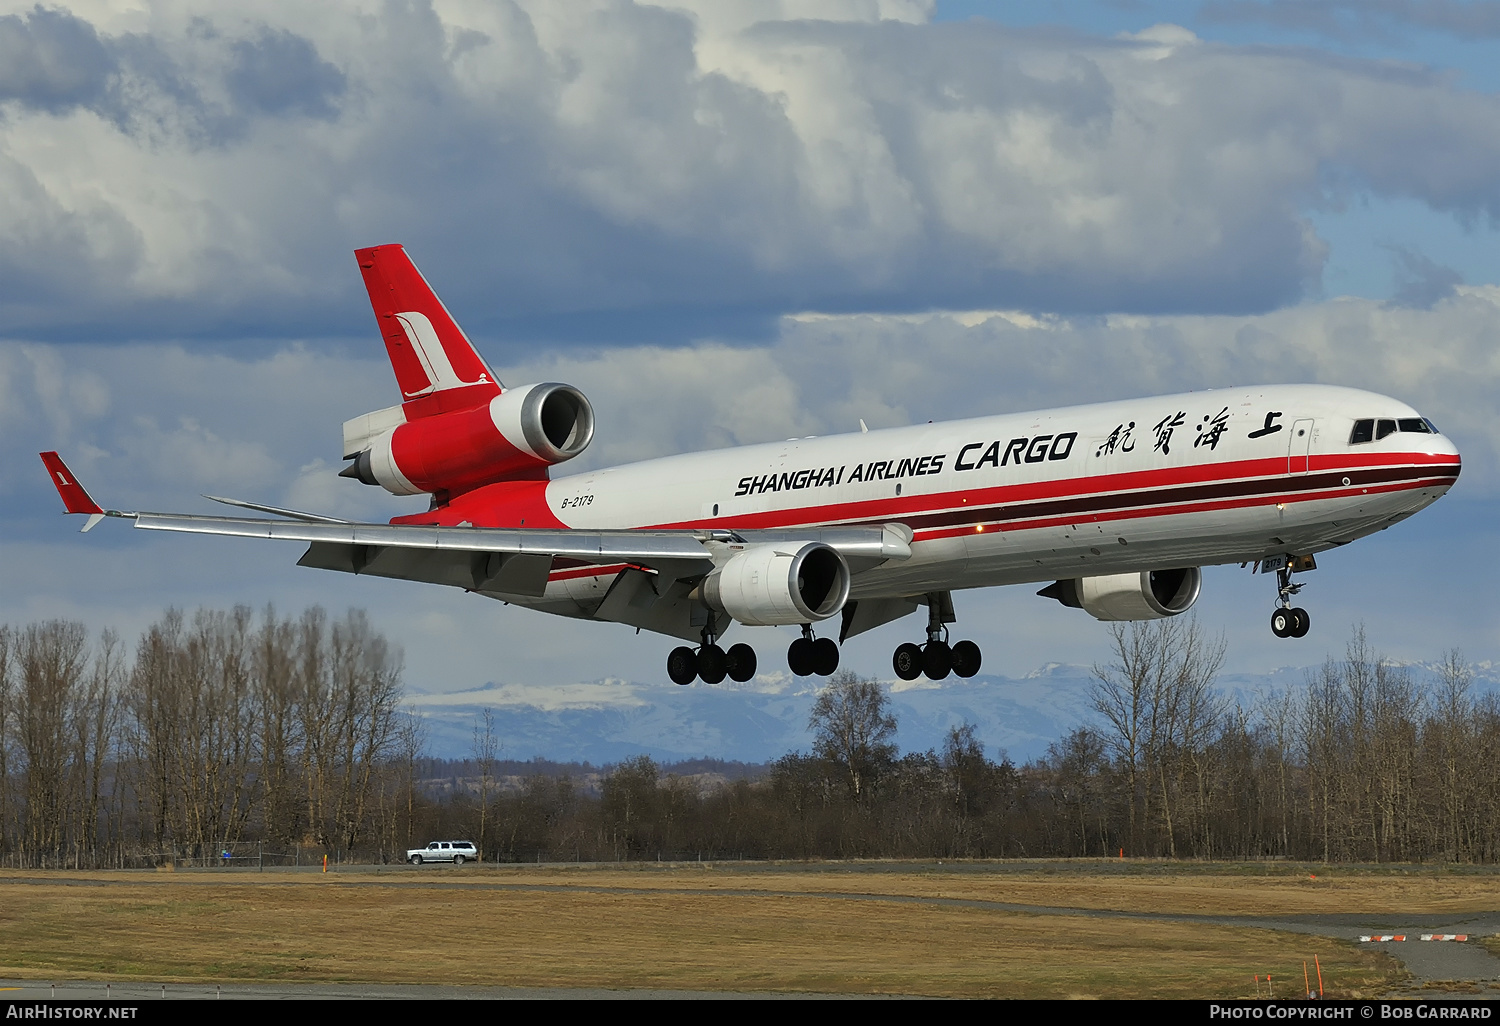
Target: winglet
<point x="74" y="496"/>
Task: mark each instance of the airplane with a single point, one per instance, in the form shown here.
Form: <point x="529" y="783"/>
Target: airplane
<point x="1115" y="505"/>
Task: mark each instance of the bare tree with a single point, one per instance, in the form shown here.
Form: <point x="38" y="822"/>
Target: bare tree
<point x="629" y="803"/>
<point x="7" y="721"/>
<point x="411" y="742"/>
<point x="486" y="749"/>
<point x="95" y="725"/>
<point x="279" y="727"/>
<point x="53" y="658"/>
<point x="1455" y="741"/>
<point x="152" y="725"/>
<point x="853" y="729"/>
<point x="1157" y="699"/>
<point x="365" y="682"/>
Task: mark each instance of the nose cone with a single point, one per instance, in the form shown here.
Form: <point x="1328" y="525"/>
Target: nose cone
<point x="1445" y="456"/>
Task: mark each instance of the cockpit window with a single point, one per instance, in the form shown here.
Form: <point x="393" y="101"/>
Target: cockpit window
<point x="1431" y="425"/>
<point x="1370" y="430"/>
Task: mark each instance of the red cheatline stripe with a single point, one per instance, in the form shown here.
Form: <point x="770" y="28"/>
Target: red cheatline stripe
<point x="1142" y="513"/>
<point x="1079" y="499"/>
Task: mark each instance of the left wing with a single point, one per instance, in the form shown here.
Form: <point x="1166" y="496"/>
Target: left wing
<point x="508" y="561"/>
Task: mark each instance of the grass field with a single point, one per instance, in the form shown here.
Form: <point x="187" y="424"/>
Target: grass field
<point x="720" y="927"/>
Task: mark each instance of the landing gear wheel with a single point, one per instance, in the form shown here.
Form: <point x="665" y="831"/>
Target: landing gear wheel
<point x="907" y="661"/>
<point x="740" y="662"/>
<point x="1302" y="624"/>
<point x="1282" y="622"/>
<point x="937" y="660"/>
<point x="800" y="658"/>
<point x="711" y="664"/>
<point x="415" y="860"/>
<point x="966" y="658"/>
<point x="682" y="665"/>
<point x="825" y="656"/>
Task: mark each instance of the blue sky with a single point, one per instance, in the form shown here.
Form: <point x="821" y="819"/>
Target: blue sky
<point x="728" y="223"/>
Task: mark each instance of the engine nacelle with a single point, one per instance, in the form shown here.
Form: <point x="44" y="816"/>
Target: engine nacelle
<point x="1148" y="595"/>
<point x="519" y="431"/>
<point x="771" y="585"/>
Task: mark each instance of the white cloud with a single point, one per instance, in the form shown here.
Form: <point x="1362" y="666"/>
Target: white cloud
<point x="551" y="158"/>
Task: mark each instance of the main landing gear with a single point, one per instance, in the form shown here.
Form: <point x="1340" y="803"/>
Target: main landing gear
<point x="1289" y="621"/>
<point x="710" y="662"/>
<point x="809" y="655"/>
<point x="937" y="658"/>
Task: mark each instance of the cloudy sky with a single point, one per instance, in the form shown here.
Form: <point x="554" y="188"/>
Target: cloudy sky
<point x="729" y="222"/>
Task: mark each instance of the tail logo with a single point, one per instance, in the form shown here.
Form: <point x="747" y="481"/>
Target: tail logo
<point x="432" y="356"/>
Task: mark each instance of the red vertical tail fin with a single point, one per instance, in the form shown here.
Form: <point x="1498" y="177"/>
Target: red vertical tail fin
<point x="436" y="365"/>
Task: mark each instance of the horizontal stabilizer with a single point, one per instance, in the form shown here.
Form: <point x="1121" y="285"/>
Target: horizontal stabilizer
<point x="290" y="514"/>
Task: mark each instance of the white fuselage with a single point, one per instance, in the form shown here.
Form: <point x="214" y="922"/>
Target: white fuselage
<point x="1202" y="478"/>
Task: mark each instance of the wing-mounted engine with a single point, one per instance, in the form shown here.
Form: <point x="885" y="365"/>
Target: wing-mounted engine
<point x="771" y="585"/>
<point x="1148" y="595"/>
<point x="516" y="435"/>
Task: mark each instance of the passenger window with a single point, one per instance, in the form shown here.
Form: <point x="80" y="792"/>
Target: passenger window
<point x="1383" y="428"/>
<point x="432" y="846"/>
<point x="1416" y="424"/>
<point x="446" y="845"/>
<point x="1364" y="431"/>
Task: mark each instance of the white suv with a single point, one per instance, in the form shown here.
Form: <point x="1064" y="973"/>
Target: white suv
<point x="456" y="852"/>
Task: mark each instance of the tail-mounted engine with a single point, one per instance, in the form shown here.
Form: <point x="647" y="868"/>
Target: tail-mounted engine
<point x="1148" y="595"/>
<point x="769" y="585"/>
<point x="517" y="434"/>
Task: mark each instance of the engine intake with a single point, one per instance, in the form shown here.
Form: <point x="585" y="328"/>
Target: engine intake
<point x="515" y="434"/>
<point x="1148" y="595"/>
<point x="773" y="585"/>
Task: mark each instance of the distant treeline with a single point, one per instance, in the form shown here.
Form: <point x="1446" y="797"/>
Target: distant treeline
<point x="228" y="732"/>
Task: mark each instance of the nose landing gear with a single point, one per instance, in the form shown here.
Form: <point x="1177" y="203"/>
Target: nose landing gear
<point x="1290" y="621"/>
<point x="937" y="658"/>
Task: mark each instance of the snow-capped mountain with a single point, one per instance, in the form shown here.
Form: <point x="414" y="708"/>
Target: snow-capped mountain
<point x="605" y="721"/>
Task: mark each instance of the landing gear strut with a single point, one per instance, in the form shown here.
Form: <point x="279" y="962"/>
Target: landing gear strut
<point x="937" y="658"/>
<point x="1288" y="621"/>
<point x="809" y="655"/>
<point x="710" y="662"/>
